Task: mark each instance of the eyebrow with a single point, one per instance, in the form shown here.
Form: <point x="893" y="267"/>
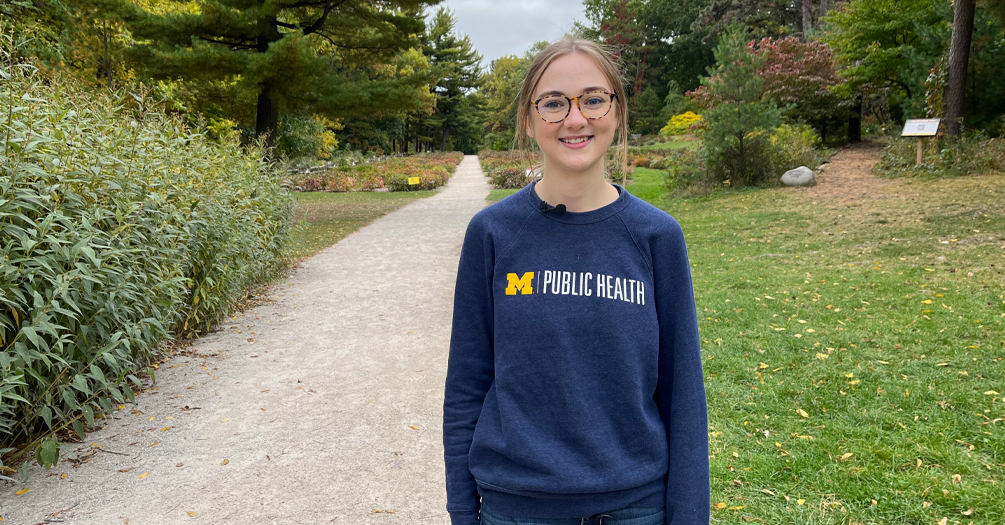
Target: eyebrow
<point x="587" y="90"/>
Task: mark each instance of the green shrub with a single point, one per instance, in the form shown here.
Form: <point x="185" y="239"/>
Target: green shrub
<point x="120" y="230"/>
<point x="687" y="172"/>
<point x="795" y="146"/>
<point x="510" y="178"/>
<point x="306" y="138"/>
<point x="969" y="155"/>
<point x="506" y="169"/>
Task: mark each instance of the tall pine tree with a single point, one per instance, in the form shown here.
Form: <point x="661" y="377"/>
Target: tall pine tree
<point x="338" y="58"/>
<point x="456" y="76"/>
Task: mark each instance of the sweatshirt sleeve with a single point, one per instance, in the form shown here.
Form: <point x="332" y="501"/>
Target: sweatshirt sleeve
<point x="470" y="370"/>
<point x="680" y="391"/>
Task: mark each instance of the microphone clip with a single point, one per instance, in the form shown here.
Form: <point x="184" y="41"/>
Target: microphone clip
<point x="559" y="208"/>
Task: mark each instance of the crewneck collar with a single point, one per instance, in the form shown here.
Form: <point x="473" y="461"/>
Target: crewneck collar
<point x="581" y="217"/>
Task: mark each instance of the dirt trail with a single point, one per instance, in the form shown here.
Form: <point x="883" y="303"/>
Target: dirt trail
<point x="848" y="176"/>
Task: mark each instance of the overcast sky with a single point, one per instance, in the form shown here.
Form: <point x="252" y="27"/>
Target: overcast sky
<point x="509" y="27"/>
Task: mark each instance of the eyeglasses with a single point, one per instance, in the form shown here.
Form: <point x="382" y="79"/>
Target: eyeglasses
<point x="592" y="105"/>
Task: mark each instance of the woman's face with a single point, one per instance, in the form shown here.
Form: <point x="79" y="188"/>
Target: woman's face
<point x="576" y="144"/>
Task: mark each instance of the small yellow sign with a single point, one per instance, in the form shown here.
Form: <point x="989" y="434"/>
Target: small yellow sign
<point x="413" y="180"/>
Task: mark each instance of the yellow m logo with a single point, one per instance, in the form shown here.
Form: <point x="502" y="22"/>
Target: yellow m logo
<point x="524" y="283"/>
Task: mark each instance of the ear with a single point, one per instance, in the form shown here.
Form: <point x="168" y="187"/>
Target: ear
<point x="530" y="129"/>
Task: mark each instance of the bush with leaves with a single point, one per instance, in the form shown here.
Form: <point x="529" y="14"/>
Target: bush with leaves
<point x="972" y="154"/>
<point x="687" y="172"/>
<point x="506" y="169"/>
<point x="120" y="230"/>
<point x="306" y="138"/>
<point x="795" y="146"/>
<point x="680" y="124"/>
<point x="433" y="170"/>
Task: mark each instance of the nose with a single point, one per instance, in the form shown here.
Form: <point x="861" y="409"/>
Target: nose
<point x="575" y="118"/>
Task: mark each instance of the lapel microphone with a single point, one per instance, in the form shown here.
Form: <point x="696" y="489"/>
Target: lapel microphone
<point x="559" y="208"/>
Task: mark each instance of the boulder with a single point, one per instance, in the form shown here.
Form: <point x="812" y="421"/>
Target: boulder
<point x="801" y="176"/>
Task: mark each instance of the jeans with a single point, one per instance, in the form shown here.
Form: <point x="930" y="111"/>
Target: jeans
<point x="622" y="516"/>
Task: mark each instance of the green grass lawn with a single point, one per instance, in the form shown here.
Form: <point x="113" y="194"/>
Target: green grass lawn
<point x="854" y="351"/>
<point x="324" y="218"/>
<point x="646" y="184"/>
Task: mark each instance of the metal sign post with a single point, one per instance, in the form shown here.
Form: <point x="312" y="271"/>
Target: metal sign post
<point x="921" y="128"/>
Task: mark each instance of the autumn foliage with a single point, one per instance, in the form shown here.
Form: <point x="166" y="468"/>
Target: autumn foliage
<point x="797" y="76"/>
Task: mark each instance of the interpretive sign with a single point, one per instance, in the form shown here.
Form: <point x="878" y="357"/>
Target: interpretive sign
<point x="921" y="127"/>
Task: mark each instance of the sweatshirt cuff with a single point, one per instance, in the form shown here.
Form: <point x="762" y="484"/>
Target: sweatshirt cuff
<point x="468" y="517"/>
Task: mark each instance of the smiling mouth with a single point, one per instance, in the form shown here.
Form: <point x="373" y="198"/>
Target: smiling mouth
<point x="576" y="140"/>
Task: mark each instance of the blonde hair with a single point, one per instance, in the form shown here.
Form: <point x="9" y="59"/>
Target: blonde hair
<point x="608" y="66"/>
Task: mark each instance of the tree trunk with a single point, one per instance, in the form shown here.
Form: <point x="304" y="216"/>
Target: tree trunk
<point x="807" y="18"/>
<point x="108" y="57"/>
<point x="823" y="8"/>
<point x="855" y="123"/>
<point x="959" y="57"/>
<point x="267" y="118"/>
<point x="799" y="20"/>
<point x="443" y="147"/>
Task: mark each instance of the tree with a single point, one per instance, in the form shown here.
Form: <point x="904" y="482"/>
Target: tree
<point x="739" y="116"/>
<point x="456" y="71"/>
<point x="648" y="110"/>
<point x="763" y="18"/>
<point x="655" y="45"/>
<point x="959" y="58"/>
<point x="340" y="58"/>
<point x="887" y="47"/>
<point x="501" y="86"/>
<point x="799" y="77"/>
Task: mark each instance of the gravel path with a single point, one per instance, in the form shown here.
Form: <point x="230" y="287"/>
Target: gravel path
<point x="323" y="406"/>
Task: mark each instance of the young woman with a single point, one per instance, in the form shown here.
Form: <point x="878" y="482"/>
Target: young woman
<point x="574" y="390"/>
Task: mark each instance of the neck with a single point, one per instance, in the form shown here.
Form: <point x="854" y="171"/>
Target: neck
<point x="579" y="192"/>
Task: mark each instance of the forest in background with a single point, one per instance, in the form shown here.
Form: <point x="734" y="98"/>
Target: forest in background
<point x="321" y="77"/>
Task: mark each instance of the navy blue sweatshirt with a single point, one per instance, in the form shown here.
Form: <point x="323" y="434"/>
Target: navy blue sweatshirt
<point x="574" y="381"/>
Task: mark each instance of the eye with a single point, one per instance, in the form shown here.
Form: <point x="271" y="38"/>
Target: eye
<point x="594" y="101"/>
<point x="552" y="104"/>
